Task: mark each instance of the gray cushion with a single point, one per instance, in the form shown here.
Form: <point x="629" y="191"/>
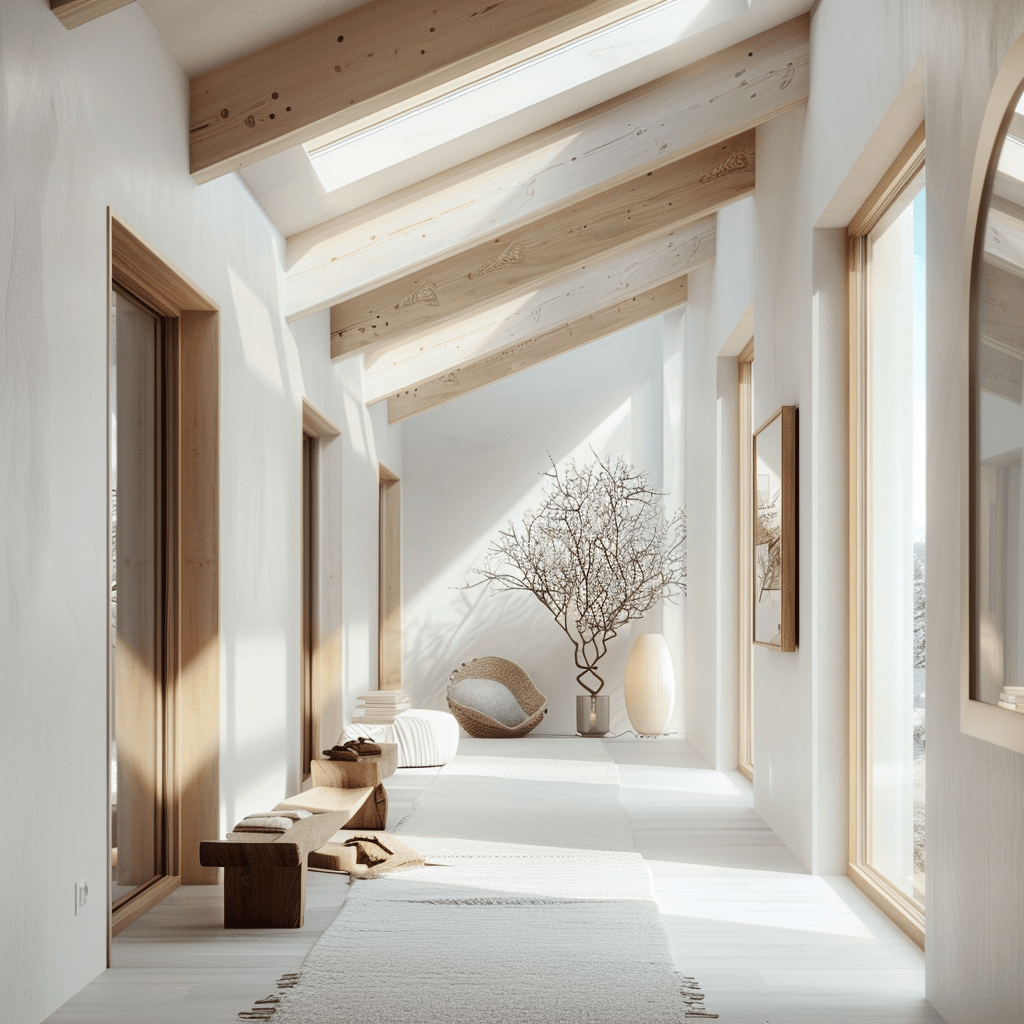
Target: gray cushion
<point x="490" y="698"/>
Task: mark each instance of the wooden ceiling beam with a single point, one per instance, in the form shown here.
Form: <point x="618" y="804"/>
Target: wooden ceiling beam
<point x="709" y="101"/>
<point x="513" y="264"/>
<point x="368" y="64"/>
<point x="73" y="13"/>
<point x="461" y="380"/>
<point x="509" y="323"/>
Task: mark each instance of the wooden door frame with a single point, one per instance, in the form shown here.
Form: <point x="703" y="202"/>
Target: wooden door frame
<point x="310" y="635"/>
<point x="389" y="567"/>
<point x="192" y="660"/>
<point x="316" y="728"/>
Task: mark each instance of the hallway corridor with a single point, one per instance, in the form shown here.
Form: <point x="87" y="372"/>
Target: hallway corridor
<point x="768" y="943"/>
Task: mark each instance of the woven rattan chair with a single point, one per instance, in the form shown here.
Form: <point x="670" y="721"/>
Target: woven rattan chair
<point x="515" y="680"/>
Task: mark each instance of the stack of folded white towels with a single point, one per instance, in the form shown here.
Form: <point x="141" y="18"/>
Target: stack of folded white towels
<point x="380" y="707"/>
<point x="270" y="821"/>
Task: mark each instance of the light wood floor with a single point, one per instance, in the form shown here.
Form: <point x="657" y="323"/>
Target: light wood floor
<point x="769" y="943"/>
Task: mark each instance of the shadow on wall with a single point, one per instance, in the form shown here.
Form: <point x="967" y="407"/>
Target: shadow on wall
<point x="472" y="465"/>
<point x="485" y="622"/>
<point x="492" y="475"/>
<point x="445" y="638"/>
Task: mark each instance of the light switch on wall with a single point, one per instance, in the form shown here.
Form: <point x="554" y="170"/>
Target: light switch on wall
<point x="81" y="895"/>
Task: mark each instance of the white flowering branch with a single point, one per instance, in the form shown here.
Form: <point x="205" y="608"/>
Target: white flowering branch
<point x="598" y="553"/>
<point x="768" y="546"/>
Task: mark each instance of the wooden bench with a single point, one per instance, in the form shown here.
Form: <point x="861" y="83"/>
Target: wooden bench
<point x="265" y="873"/>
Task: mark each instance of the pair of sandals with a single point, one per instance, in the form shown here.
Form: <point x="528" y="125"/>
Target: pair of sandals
<point x="361" y="749"/>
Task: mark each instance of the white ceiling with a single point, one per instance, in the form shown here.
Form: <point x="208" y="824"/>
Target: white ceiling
<point x="205" y="33"/>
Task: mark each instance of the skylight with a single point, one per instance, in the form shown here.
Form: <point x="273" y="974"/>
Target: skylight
<point x="416" y="131"/>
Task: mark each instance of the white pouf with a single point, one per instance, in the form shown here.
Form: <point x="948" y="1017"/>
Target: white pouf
<point x="425" y="738"/>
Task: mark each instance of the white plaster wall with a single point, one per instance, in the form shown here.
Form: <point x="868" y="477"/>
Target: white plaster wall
<point x="861" y="57"/>
<point x="719" y="327"/>
<point x="672" y="614"/>
<point x="473" y="464"/>
<point x="789" y="261"/>
<point x="91" y="118"/>
<point x="711" y="506"/>
<point x="352" y="514"/>
<point x="388" y="438"/>
<point x="975" y="790"/>
<point x="811" y="178"/>
<point x="731" y="279"/>
<point x="784" y="729"/>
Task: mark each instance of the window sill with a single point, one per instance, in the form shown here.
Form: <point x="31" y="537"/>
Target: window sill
<point x="899" y="908"/>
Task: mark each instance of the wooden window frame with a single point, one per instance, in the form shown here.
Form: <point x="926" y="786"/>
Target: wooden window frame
<point x="192" y="660"/>
<point x="389" y="612"/>
<point x="745" y="433"/>
<point x="904" y="911"/>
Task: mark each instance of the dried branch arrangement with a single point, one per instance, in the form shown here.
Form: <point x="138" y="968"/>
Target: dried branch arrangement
<point x="598" y="553"/>
<point x="768" y="546"/>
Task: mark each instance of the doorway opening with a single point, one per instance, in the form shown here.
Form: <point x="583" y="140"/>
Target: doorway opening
<point x="745" y="405"/>
<point x="163" y="693"/>
<point x="142" y="498"/>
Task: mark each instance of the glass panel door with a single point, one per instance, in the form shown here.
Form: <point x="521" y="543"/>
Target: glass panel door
<point x="137" y="597"/>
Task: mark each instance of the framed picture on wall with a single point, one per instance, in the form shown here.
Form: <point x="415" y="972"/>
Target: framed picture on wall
<point x="775" y="531"/>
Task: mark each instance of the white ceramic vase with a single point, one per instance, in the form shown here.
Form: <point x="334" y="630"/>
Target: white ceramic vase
<point x="650" y="685"/>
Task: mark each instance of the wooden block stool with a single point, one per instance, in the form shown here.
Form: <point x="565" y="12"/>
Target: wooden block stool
<point x="368" y="772"/>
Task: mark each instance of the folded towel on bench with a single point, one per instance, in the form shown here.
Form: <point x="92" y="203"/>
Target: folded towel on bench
<point x="270" y="821"/>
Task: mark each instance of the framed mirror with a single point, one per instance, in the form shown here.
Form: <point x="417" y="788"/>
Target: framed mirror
<point x="775" y="534"/>
<point x="993" y="693"/>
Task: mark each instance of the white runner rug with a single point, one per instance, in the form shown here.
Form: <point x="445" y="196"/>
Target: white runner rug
<point x="531" y="908"/>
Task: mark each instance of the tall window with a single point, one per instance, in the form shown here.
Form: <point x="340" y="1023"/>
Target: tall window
<point x="745" y="405"/>
<point x="309" y="638"/>
<point x="887" y="253"/>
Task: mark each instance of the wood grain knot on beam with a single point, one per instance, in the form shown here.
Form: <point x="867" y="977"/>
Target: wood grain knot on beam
<point x="739" y="161"/>
<point x="515" y="252"/>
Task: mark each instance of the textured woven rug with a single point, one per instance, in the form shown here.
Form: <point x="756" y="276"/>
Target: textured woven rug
<point x="532" y="908"/>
